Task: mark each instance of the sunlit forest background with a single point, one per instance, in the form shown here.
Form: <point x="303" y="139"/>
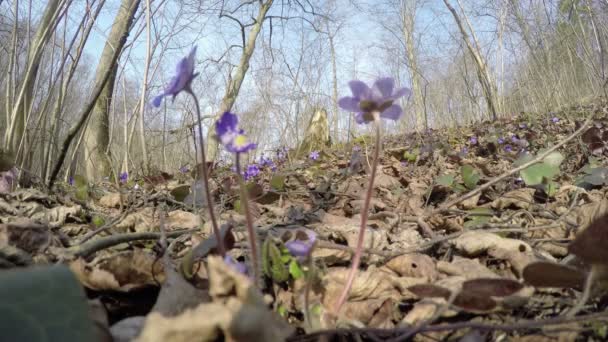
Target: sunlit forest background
<point x="77" y="77"/>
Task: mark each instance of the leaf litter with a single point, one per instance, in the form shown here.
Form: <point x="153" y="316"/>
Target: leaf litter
<point x="456" y="245"/>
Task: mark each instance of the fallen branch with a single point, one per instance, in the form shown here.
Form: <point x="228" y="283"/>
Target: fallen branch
<point x="94" y="246"/>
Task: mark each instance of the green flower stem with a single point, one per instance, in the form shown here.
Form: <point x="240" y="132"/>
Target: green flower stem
<point x="364" y="216"/>
<point x="210" y="204"/>
<point x="249" y="222"/>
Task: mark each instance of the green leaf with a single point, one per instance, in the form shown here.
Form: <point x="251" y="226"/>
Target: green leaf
<point x="180" y="192"/>
<point x="272" y="263"/>
<point x="469" y="176"/>
<point x="282" y="311"/>
<point x="551" y="188"/>
<point x="277" y="182"/>
<point x="445" y="180"/>
<point x="82" y="188"/>
<point x="98" y="221"/>
<point x="536" y="173"/>
<point x="44" y="304"/>
<point x="554" y="158"/>
<point x="80" y="181"/>
<point x="295" y="270"/>
<point x="411" y="156"/>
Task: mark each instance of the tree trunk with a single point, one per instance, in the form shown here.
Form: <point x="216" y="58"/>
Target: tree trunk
<point x="488" y="86"/>
<point x="232" y="90"/>
<point x="408" y="19"/>
<point x="17" y="124"/>
<point x="97" y="135"/>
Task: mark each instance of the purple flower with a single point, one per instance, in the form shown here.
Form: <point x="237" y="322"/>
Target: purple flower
<point x="184" y="74"/>
<point x="508" y="148"/>
<point x="184" y="169"/>
<point x="523" y="125"/>
<point x="71" y="181"/>
<point x="266" y="162"/>
<point x="252" y="171"/>
<point x="464" y="151"/>
<point x="314" y="155"/>
<point x="229" y="134"/>
<point x="124" y="177"/>
<point x="302" y="246"/>
<point x="377" y="99"/>
<point x="473" y="140"/>
<point x="501" y="141"/>
<point x="555" y="119"/>
<point x="235" y="265"/>
<point x="514" y="139"/>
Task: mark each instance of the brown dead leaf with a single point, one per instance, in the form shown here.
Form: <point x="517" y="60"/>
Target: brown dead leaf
<point x="237" y="313"/>
<point x="519" y="198"/>
<point x="26" y="235"/>
<point x="384" y="316"/>
<point x="112" y="200"/>
<point x="590" y="244"/>
<point x="140" y="221"/>
<point x="491" y="287"/>
<point x="430" y="291"/>
<point x="549" y="274"/>
<point x="413" y="265"/>
<point x="465" y="267"/>
<point x="477" y="242"/>
<point x="120" y="272"/>
<point x="179" y="219"/>
<point x="475" y="302"/>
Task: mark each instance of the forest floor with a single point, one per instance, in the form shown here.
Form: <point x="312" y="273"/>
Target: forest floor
<point x="483" y="232"/>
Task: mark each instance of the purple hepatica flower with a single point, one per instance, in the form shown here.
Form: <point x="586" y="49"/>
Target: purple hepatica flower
<point x="184" y="74"/>
<point x="252" y="171"/>
<point x="377" y="99"/>
<point x="523" y="125"/>
<point x="229" y="134"/>
<point x="266" y="162"/>
<point x="508" y="148"/>
<point x="514" y="139"/>
<point x="473" y="140"/>
<point x="71" y="181"/>
<point x="555" y="119"/>
<point x="235" y="265"/>
<point x="302" y="246"/>
<point x="184" y="169"/>
<point x="314" y="155"/>
<point x="124" y="177"/>
<point x="500" y="141"/>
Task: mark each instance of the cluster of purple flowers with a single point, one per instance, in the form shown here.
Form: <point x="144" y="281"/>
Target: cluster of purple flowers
<point x="252" y="171"/>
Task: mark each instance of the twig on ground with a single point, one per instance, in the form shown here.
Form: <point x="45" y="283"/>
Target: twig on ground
<point x="91" y="247"/>
<point x="511" y="172"/>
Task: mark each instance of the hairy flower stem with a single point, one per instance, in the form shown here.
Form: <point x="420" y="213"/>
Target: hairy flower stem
<point x="249" y="222"/>
<point x="364" y="215"/>
<point x="210" y="204"/>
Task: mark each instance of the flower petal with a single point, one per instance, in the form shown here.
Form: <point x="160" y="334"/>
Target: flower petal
<point x="359" y="89"/>
<point x="384" y="86"/>
<point x="226" y="123"/>
<point x="393" y="112"/>
<point x="298" y="248"/>
<point x="350" y="104"/>
<point x="359" y="118"/>
<point x="157" y="100"/>
<point x="400" y="93"/>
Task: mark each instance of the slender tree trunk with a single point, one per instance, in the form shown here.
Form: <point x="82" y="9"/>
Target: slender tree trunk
<point x="483" y="74"/>
<point x="17" y="123"/>
<point x="97" y="136"/>
<point x="232" y="90"/>
<point x="106" y="67"/>
<point x="408" y="19"/>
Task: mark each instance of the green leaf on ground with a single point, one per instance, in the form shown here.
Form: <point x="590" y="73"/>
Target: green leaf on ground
<point x="43" y="304"/>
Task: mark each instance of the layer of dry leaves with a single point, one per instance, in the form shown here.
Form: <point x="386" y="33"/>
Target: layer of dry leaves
<point x="425" y="265"/>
